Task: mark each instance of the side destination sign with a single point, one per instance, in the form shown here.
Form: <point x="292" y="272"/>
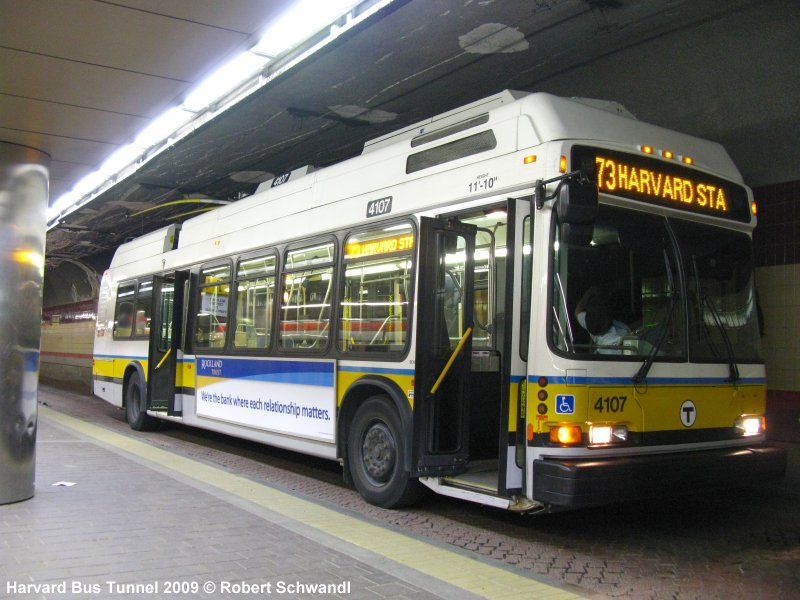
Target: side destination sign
<point x="656" y="182"/>
<point x="296" y="397"/>
<point x="398" y="243"/>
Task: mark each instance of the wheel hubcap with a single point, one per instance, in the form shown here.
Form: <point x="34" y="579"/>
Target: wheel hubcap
<point x="379" y="451"/>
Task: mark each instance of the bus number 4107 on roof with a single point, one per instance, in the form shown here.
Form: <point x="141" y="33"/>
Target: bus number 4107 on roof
<point x="376" y="208"/>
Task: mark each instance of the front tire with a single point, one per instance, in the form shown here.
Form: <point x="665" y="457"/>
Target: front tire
<point x="375" y="450"/>
<point x="136" y="405"/>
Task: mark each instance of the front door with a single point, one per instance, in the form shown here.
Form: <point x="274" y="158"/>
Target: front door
<point x="165" y="340"/>
<point x="444" y="346"/>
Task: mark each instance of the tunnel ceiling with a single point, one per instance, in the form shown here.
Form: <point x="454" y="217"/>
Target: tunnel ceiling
<point x="721" y="70"/>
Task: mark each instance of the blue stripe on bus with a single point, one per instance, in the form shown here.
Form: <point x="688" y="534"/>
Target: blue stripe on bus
<point x="377" y="370"/>
<point x="119" y="356"/>
<point x="279" y="371"/>
<point x="650" y="380"/>
<point x="180" y="360"/>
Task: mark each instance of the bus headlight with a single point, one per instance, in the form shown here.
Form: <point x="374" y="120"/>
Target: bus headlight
<point x="748" y="425"/>
<point x="607" y="434"/>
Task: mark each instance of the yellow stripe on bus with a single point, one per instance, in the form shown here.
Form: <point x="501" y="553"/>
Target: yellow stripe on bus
<point x="344" y="379"/>
<point x="657" y="409"/>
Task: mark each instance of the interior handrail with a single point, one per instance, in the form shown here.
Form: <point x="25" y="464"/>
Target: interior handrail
<point x="163" y="358"/>
<point x="453" y="357"/>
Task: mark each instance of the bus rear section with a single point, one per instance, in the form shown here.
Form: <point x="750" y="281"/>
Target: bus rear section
<point x="648" y="379"/>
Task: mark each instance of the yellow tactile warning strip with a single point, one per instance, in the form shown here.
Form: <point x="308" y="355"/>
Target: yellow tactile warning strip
<point x="448" y="566"/>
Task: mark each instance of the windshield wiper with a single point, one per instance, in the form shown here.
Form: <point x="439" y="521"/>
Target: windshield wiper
<point x="641" y="374"/>
<point x="733" y="369"/>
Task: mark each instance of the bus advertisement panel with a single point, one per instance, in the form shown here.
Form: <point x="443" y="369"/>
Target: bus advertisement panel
<point x="296" y="397"/>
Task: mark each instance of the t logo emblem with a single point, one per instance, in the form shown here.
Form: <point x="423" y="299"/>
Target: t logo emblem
<point x="688" y="413"/>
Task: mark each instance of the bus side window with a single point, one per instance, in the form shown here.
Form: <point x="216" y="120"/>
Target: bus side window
<point x="255" y="297"/>
<point x="123" y="316"/>
<point x="306" y="294"/>
<point x="374" y="308"/>
<point x="211" y="324"/>
<point x="144" y="307"/>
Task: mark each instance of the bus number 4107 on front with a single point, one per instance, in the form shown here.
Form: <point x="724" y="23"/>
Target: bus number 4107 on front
<point x="610" y="404"/>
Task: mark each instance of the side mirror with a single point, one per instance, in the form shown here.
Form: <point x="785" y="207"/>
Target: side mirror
<point x="574" y="234"/>
<point x="577" y="204"/>
<point x="577" y="209"/>
<point x="577" y="201"/>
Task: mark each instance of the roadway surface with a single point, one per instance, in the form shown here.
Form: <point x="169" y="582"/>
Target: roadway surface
<point x="743" y="543"/>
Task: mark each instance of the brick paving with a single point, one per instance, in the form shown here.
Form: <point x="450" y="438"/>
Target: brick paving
<point x="126" y="523"/>
<point x="729" y="545"/>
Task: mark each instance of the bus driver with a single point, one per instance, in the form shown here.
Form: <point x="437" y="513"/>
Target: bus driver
<point x="593" y="315"/>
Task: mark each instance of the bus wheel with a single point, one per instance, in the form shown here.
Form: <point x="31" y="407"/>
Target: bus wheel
<point x="375" y="446"/>
<point x="136" y="405"/>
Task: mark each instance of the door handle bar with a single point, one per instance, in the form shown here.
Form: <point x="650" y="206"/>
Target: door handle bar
<point x="163" y="358"/>
<point x="453" y="357"/>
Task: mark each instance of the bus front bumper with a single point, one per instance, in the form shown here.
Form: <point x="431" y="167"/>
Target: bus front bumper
<point x="581" y="482"/>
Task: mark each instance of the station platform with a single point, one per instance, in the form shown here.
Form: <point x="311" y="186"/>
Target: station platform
<point x="118" y="515"/>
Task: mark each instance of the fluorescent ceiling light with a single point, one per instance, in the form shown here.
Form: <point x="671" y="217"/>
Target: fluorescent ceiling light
<point x="300" y="22"/>
<point x="89" y="183"/>
<point x="162" y="127"/>
<point x="120" y="159"/>
<point x="304" y="19"/>
<point x="224" y="79"/>
<point x="64" y="201"/>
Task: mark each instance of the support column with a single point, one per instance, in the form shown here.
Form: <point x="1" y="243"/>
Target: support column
<point x="24" y="182"/>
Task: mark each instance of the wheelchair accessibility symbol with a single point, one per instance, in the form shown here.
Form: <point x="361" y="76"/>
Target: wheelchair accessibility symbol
<point x="565" y="404"/>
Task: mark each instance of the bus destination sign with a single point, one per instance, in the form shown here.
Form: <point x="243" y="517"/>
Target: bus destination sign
<point x="388" y="245"/>
<point x="655" y="182"/>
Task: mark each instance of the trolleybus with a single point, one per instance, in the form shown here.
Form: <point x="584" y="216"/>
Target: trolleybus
<point x="531" y="302"/>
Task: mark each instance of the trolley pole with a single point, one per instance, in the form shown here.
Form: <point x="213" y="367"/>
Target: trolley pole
<point x="24" y="182"/>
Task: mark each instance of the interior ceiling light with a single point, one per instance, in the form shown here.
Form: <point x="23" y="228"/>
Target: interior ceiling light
<point x="301" y="21"/>
<point x="224" y="80"/>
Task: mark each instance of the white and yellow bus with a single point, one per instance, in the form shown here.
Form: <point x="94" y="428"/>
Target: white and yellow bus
<point x="530" y="302"/>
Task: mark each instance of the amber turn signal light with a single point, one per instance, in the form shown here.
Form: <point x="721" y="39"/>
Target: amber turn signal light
<point x="566" y="434"/>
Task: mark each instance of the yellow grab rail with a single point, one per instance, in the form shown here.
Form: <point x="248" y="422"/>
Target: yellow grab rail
<point x="453" y="357"/>
<point x="163" y="358"/>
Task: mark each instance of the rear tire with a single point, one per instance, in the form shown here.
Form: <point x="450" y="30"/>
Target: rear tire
<point x="136" y="405"/>
<point x="375" y="450"/>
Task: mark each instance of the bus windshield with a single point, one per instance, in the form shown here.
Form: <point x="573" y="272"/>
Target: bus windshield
<point x="718" y="264"/>
<point x="618" y="295"/>
<point x="622" y="295"/>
